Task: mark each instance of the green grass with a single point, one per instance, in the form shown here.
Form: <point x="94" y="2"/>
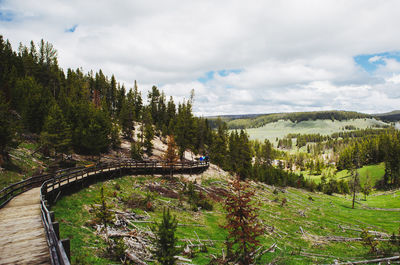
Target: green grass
<point x="320" y="216"/>
<point x="281" y="128"/>
<point x="22" y="165"/>
<point x="391" y="200"/>
<point x="375" y="173"/>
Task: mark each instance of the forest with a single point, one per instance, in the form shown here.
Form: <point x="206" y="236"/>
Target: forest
<point x="89" y="113"/>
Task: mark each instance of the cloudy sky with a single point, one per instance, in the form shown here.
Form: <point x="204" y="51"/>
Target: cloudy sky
<point x="238" y="56"/>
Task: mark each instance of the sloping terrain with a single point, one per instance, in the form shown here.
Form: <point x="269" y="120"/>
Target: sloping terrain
<point x="299" y="227"/>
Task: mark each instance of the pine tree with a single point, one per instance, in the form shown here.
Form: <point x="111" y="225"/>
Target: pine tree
<point x="242" y="224"/>
<point x="148" y="137"/>
<point x="126" y="117"/>
<point x="170" y="156"/>
<point x="154" y="98"/>
<point x="267" y="152"/>
<point x="245" y="156"/>
<point x="7" y="129"/>
<point x="218" y="150"/>
<point x="355" y="185"/>
<point x="136" y="151"/>
<point x="148" y="132"/>
<point x="138" y="102"/>
<point x="184" y="128"/>
<point x="34" y="103"/>
<point x="103" y="213"/>
<point x="367" y="187"/>
<point x="165" y="240"/>
<point x="92" y="131"/>
<point x="56" y="132"/>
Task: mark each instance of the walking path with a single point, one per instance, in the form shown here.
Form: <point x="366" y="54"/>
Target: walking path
<point x="23" y="239"/>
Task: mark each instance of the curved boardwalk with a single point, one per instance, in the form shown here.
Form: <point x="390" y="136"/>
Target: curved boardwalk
<point x="22" y="234"/>
<point x="23" y="239"/>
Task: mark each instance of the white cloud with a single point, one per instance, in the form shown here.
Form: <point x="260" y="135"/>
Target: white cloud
<point x="395" y="79"/>
<point x="375" y="59"/>
<point x="293" y="55"/>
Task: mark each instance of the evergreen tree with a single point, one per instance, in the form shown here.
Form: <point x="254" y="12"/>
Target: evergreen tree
<point x="355" y="185"/>
<point x="148" y="133"/>
<point x="56" y="132"/>
<point x="126" y="116"/>
<point x="148" y="137"/>
<point x="102" y="212"/>
<point x="367" y="187"/>
<point x="91" y="135"/>
<point x="165" y="239"/>
<point x="170" y="117"/>
<point x="137" y="102"/>
<point x="184" y="128"/>
<point x="267" y="152"/>
<point x="112" y="95"/>
<point x="120" y="98"/>
<point x="170" y="155"/>
<point x="136" y="151"/>
<point x="153" y="99"/>
<point x="218" y="150"/>
<point x="34" y="103"/>
<point x="245" y="156"/>
<point x="242" y="224"/>
<point x="7" y="129"/>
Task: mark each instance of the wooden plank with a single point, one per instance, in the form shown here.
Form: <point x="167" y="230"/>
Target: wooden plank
<point x="23" y="239"/>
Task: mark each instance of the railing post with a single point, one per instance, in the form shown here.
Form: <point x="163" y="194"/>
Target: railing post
<point x="52" y="216"/>
<point x="56" y="227"/>
<point x="44" y="190"/>
<point x="67" y="247"/>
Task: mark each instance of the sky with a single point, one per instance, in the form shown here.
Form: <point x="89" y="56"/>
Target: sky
<point x="240" y="57"/>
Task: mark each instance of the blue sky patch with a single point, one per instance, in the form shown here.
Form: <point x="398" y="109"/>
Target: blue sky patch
<point x="370" y="62"/>
<point x="72" y="29"/>
<point x="6" y="16"/>
<point x="210" y="75"/>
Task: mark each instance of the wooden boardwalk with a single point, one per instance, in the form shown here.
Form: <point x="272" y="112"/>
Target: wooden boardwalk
<point x="23" y="239"/>
<point x="23" y="234"/>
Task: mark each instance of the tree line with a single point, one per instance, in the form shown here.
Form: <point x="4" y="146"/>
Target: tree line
<point x="85" y="113"/>
<point x="255" y="121"/>
<point x="375" y="149"/>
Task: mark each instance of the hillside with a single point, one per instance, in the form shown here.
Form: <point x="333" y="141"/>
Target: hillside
<point x="259" y="120"/>
<point x="392" y="116"/>
<point x="281" y="128"/>
<point x="299" y="227"/>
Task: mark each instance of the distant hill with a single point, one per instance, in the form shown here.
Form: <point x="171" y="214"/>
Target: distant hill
<point x="259" y="120"/>
<point x="389" y="116"/>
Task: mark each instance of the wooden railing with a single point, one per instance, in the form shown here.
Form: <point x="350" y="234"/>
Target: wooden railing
<point x="15" y="189"/>
<point x="59" y="249"/>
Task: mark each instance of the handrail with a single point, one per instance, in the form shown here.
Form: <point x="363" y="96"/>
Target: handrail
<point x="11" y="191"/>
<point x="64" y="179"/>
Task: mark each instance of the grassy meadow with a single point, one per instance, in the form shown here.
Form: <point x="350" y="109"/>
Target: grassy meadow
<point x="373" y="172"/>
<point x="304" y="227"/>
<point x="281" y="128"/>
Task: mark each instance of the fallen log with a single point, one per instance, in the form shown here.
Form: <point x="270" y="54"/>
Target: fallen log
<point x="376" y="233"/>
<point x="369" y="261"/>
<point x="347" y="239"/>
<point x="153" y="222"/>
<point x="182" y="259"/>
<point x="135" y="259"/>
